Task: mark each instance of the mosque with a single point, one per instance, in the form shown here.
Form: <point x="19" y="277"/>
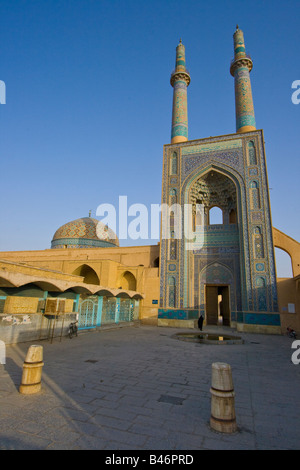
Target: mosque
<point x="224" y="272"/>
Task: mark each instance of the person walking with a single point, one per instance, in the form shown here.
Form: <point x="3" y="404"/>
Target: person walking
<point x="200" y="322"/>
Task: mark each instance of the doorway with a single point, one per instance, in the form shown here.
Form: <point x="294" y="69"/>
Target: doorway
<point x="217" y="305"/>
<point x="88" y="312"/>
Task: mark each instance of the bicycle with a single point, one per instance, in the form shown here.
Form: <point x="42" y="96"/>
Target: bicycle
<point x="291" y="333"/>
<point x="73" y="330"/>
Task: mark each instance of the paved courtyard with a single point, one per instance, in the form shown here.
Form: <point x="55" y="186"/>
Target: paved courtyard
<point x="138" y="388"/>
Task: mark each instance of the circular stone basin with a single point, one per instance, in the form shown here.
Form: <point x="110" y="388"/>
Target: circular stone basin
<point x="209" y="338"/>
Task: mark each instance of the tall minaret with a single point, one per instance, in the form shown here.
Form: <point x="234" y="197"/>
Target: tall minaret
<point x="180" y="80"/>
<point x="240" y="69"/>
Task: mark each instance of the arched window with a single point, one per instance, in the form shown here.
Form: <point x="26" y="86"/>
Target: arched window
<point x="215" y="216"/>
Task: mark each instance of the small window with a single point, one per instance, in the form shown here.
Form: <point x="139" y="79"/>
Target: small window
<point x="215" y="216"/>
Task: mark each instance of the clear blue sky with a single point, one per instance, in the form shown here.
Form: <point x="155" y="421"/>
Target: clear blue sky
<point x="88" y="102"/>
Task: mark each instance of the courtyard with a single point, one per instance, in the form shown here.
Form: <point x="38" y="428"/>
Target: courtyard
<point x="140" y="388"/>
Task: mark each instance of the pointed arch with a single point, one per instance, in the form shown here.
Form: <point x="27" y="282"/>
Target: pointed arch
<point x="127" y="281"/>
<point x="290" y="246"/>
<point x="239" y="191"/>
<point x="237" y="187"/>
<point x="88" y="273"/>
<point x="216" y="272"/>
<point x="284" y="267"/>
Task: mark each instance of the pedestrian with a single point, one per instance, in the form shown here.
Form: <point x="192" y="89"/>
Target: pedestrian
<point x="200" y="322"/>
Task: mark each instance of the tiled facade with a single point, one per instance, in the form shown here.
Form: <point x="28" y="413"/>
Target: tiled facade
<point x="216" y="171"/>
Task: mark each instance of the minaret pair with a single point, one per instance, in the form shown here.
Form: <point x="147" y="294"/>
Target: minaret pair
<point x="240" y="69"/>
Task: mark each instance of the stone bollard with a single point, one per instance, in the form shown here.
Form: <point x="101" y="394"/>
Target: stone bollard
<point x="222" y="399"/>
<point x="2" y="353"/>
<point x="32" y="371"/>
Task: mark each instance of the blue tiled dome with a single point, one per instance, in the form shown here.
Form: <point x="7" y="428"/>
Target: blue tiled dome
<point x="84" y="233"/>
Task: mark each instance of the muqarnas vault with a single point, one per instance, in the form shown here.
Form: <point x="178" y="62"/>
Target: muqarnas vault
<point x="226" y="272"/>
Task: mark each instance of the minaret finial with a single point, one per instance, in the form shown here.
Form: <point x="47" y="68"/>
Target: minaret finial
<point x="240" y="69"/>
<point x="180" y="80"/>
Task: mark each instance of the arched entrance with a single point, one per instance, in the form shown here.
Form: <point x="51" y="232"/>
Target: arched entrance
<point x="215" y="256"/>
<point x="216" y="292"/>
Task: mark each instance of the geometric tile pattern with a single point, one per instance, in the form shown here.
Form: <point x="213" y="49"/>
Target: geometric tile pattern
<point x="85" y="231"/>
<point x="243" y="250"/>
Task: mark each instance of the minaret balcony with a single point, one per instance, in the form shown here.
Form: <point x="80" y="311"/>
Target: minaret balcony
<point x="180" y="75"/>
<point x="243" y="61"/>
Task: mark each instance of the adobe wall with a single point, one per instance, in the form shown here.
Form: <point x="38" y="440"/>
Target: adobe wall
<point x="108" y="263"/>
<point x="19" y="328"/>
<point x="289" y="304"/>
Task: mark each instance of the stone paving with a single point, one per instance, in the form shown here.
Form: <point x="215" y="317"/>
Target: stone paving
<point x="138" y="388"/>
